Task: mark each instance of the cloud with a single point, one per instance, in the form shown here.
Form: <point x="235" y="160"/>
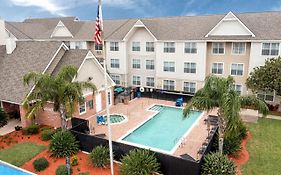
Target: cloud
<point x="190" y="14"/>
<point x="47" y="5"/>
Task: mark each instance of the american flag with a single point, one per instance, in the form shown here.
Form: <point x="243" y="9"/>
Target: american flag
<point x="98" y="31"/>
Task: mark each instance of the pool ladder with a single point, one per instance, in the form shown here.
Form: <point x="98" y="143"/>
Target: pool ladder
<point x="156" y="108"/>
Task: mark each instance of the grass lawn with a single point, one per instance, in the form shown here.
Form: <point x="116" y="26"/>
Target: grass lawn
<point x="21" y="153"/>
<point x="264" y="148"/>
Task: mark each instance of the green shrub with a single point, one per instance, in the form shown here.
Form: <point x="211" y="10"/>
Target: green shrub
<point x="47" y="134"/>
<point x="84" y="173"/>
<point x="100" y="156"/>
<point x="63" y="144"/>
<point x="3" y="118"/>
<point x="139" y="162"/>
<point x="30" y="130"/>
<point x="217" y="164"/>
<point x="40" y="164"/>
<point x="74" y="160"/>
<point x="62" y="170"/>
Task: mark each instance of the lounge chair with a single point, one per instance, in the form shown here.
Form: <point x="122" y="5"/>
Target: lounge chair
<point x="100" y="120"/>
<point x="179" y="102"/>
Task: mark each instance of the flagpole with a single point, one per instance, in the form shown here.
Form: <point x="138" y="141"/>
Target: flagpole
<point x="106" y="97"/>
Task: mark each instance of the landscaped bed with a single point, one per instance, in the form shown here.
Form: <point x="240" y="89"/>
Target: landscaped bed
<point x="21" y="150"/>
<point x="264" y="148"/>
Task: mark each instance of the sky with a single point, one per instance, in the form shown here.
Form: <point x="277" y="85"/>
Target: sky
<point x="18" y="10"/>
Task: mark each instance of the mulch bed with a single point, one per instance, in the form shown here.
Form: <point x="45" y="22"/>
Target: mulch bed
<point x="84" y="164"/>
<point x="243" y="155"/>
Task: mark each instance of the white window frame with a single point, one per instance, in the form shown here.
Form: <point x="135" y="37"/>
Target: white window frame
<point x="234" y="86"/>
<point x="237" y="69"/>
<point x="148" y="48"/>
<point x="232" y="48"/>
<point x="80" y="113"/>
<point x="98" y="47"/>
<point x="188" y="47"/>
<point x="217" y="69"/>
<point x="213" y="43"/>
<point x="136" y="46"/>
<point x="114" y="63"/>
<point x="150" y="64"/>
<point x="114" y="46"/>
<point x="163" y="85"/>
<point x="135" y="66"/>
<point x="264" y="93"/>
<point x="115" y="79"/>
<point x="190" y="82"/>
<point x="169" y="68"/>
<point x="149" y="82"/>
<point x="137" y="76"/>
<point x="169" y="47"/>
<point x="189" y="67"/>
<point x="270" y="48"/>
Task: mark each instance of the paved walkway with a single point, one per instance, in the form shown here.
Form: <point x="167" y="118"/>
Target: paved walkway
<point x="273" y="117"/>
<point x="10" y="127"/>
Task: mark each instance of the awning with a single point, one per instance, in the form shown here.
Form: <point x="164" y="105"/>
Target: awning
<point x="119" y="90"/>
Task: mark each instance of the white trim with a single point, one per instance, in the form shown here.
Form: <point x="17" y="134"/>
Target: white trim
<point x="212" y="68"/>
<point x="224" y="19"/>
<point x="133" y="80"/>
<point x="1" y="104"/>
<point x="81" y="113"/>
<point x="237" y="54"/>
<point x="187" y="81"/>
<point x="237" y="65"/>
<point x="7" y="101"/>
<point x="137" y="25"/>
<point x="15" y="167"/>
<point x="270" y="49"/>
<point x="164" y="66"/>
<point x="175" y="83"/>
<point x="61" y="23"/>
<point x="190" y="72"/>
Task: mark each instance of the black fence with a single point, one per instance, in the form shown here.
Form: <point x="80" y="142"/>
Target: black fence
<point x="170" y="165"/>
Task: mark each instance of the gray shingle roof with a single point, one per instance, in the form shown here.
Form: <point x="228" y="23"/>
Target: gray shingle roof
<point x="28" y="56"/>
<point x="265" y="25"/>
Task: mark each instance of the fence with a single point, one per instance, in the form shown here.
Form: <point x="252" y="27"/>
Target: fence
<point x="170" y="165"/>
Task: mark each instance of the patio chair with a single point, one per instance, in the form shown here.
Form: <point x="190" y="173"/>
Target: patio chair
<point x="179" y="102"/>
<point x="100" y="120"/>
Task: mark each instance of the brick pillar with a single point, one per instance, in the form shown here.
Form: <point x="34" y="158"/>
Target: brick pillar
<point x="24" y="120"/>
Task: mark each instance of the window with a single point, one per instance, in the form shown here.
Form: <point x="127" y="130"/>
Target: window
<point x="136" y="64"/>
<point x="116" y="79"/>
<point x="136" y="80"/>
<point x="169" y="47"/>
<point x="150" y="64"/>
<point x="189" y="87"/>
<point x="238" y="48"/>
<point x="150" y="46"/>
<point x="98" y="46"/>
<point x="136" y="46"/>
<point x="82" y="108"/>
<point x="114" y="63"/>
<point x="218" y="48"/>
<point x="267" y="96"/>
<point x="169" y="85"/>
<point x="90" y="104"/>
<point x="78" y="45"/>
<point x="190" y="67"/>
<point x="237" y="88"/>
<point x="236" y="69"/>
<point x="190" y="48"/>
<point x="169" y="66"/>
<point x="217" y="68"/>
<point x="270" y="49"/>
<point x="150" y="81"/>
<point x="114" y="46"/>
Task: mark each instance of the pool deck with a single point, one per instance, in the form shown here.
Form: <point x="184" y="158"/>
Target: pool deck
<point x="136" y="112"/>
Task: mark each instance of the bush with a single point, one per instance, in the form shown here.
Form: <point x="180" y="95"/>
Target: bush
<point x="215" y="164"/>
<point x="139" y="162"/>
<point x="47" y="134"/>
<point x="30" y="130"/>
<point x="100" y="156"/>
<point x="84" y="173"/>
<point x="40" y="164"/>
<point x="74" y="160"/>
<point x="62" y="170"/>
<point x="63" y="144"/>
<point x="3" y="118"/>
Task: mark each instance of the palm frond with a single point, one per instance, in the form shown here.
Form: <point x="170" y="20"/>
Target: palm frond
<point x="253" y="100"/>
<point x="67" y="73"/>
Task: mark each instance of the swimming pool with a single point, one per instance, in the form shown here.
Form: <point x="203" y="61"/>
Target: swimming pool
<point x="164" y="131"/>
<point x="8" y="169"/>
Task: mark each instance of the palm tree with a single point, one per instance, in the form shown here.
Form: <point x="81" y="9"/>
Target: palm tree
<point x="61" y="90"/>
<point x="218" y="93"/>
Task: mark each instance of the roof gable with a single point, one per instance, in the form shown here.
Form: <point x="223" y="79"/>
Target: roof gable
<point x="61" y="31"/>
<point x="138" y="24"/>
<point x="230" y="25"/>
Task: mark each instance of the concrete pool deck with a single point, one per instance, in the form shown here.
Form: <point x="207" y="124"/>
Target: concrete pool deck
<point x="136" y="112"/>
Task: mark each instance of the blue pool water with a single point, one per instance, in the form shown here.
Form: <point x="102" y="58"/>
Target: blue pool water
<point x="163" y="130"/>
<point x="5" y="169"/>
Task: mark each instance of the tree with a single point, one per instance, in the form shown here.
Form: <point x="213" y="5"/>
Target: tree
<point x="266" y="77"/>
<point x="61" y="90"/>
<point x="218" y="93"/>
